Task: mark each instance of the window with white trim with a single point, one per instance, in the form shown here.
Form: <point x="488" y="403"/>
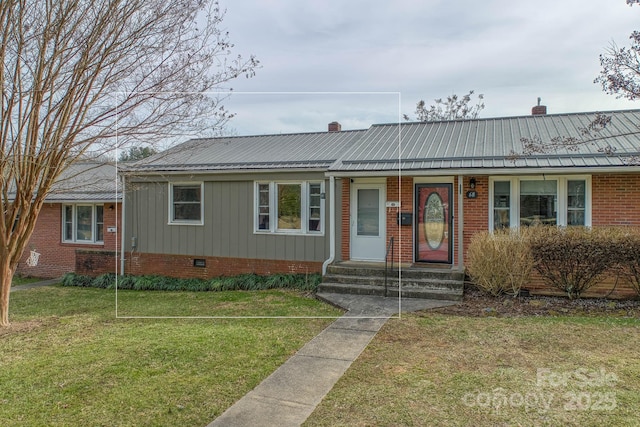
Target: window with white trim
<point x="532" y="200"/>
<point x="289" y="207"/>
<point x="83" y="223"/>
<point x="185" y="203"/>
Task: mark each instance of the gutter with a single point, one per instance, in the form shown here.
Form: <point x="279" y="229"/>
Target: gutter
<point x="332" y="225"/>
<point x="581" y="170"/>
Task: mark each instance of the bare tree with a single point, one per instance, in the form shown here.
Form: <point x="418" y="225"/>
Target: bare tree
<point x="453" y="108"/>
<point x="619" y="76"/>
<point x="81" y="77"/>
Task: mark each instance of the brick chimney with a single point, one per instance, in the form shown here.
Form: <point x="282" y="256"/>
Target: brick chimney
<point x="335" y="127"/>
<point x="539" y="109"/>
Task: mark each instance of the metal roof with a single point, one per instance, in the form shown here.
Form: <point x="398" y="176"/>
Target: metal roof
<point x="489" y="143"/>
<point x="316" y="150"/>
<point x="86" y="181"/>
<point x="431" y="148"/>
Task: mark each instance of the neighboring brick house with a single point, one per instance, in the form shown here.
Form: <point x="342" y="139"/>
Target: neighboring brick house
<point x="77" y="229"/>
<point x="298" y="202"/>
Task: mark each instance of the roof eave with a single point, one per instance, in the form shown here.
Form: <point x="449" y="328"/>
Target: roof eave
<point x="486" y="171"/>
<point x="156" y="172"/>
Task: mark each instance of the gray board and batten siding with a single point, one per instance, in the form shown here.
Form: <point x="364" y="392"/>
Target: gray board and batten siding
<point x="228" y="221"/>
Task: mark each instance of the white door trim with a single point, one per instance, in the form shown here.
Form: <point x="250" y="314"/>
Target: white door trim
<point x="362" y="247"/>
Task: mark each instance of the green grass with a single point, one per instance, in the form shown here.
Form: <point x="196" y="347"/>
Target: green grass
<point x="434" y="369"/>
<point x="66" y="360"/>
<point x="19" y="280"/>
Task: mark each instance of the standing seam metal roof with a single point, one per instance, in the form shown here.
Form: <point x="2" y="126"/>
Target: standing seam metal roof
<point x="458" y="144"/>
<point x="286" y="151"/>
<point x="489" y="143"/>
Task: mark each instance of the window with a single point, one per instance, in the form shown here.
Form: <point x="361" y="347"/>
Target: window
<point x="185" y="206"/>
<point x="83" y="223"/>
<point x="576" y="196"/>
<point x="315" y="210"/>
<point x="501" y="204"/>
<point x="263" y="207"/>
<point x="538" y="202"/>
<point x="526" y="201"/>
<point x="289" y="207"/>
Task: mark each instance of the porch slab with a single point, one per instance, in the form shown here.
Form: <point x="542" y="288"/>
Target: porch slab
<point x="377" y="306"/>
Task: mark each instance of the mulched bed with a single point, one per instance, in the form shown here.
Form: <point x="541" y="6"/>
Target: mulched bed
<point x="479" y="304"/>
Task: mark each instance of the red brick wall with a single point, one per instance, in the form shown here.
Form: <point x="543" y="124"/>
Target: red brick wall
<point x="182" y="266"/>
<point x="57" y="258"/>
<point x="95" y="263"/>
<point x="476" y="211"/>
<point x="615" y="199"/>
<point x="609" y="287"/>
<point x="400" y="189"/>
<point x="345" y="211"/>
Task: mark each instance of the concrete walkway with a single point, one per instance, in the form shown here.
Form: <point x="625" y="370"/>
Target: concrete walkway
<point x="289" y="395"/>
<point x="47" y="282"/>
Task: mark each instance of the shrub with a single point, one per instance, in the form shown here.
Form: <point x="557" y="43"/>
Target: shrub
<point x="72" y="279"/>
<point x="573" y="259"/>
<point x="500" y="262"/>
<point x="106" y="281"/>
<point x="628" y="256"/>
<point x="248" y="282"/>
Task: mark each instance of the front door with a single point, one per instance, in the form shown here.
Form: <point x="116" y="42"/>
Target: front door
<point x="368" y="222"/>
<point x="433" y="223"/>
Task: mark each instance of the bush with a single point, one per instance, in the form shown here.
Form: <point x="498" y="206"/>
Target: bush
<point x="628" y="256"/>
<point x="573" y="259"/>
<point x="106" y="281"/>
<point x="247" y="282"/>
<point x="500" y="262"/>
<point x="72" y="279"/>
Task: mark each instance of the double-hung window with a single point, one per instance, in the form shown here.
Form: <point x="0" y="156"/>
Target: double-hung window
<point x="185" y="203"/>
<point x="539" y="200"/>
<point x="289" y="207"/>
<point x="83" y="223"/>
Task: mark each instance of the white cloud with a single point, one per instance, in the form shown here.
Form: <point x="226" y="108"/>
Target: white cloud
<point x="512" y="52"/>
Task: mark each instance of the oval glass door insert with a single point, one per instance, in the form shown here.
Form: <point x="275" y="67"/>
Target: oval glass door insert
<point x="434" y="220"/>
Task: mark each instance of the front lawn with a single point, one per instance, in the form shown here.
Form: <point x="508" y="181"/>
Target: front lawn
<point x="432" y="369"/>
<point x="20" y="280"/>
<point x="66" y="360"/>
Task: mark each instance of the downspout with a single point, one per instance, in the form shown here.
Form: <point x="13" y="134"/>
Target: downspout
<point x="460" y="223"/>
<point x="332" y="224"/>
<point x="122" y="222"/>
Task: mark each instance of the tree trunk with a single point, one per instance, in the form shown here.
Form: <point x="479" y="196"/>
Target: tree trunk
<point x="6" y="275"/>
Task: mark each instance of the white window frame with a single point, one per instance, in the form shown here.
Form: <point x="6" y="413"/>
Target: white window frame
<point x="172" y="220"/>
<point x="273" y="208"/>
<point x="74" y="223"/>
<point x="561" y="191"/>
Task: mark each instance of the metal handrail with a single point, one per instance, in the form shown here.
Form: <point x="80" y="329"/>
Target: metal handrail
<point x="390" y="246"/>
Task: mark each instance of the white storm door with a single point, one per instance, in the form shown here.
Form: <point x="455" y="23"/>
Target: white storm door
<point x="368" y="222"/>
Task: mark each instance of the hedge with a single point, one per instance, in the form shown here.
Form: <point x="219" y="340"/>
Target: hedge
<point x="571" y="259"/>
<point x="246" y="282"/>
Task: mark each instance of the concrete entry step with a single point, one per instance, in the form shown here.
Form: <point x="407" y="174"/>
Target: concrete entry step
<point x="410" y="281"/>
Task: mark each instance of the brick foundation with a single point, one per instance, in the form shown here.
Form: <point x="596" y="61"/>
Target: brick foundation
<point x="182" y="266"/>
<point x="95" y="263"/>
<point x="609" y="287"/>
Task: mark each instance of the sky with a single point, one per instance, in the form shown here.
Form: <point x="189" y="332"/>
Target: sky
<point x="364" y="62"/>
